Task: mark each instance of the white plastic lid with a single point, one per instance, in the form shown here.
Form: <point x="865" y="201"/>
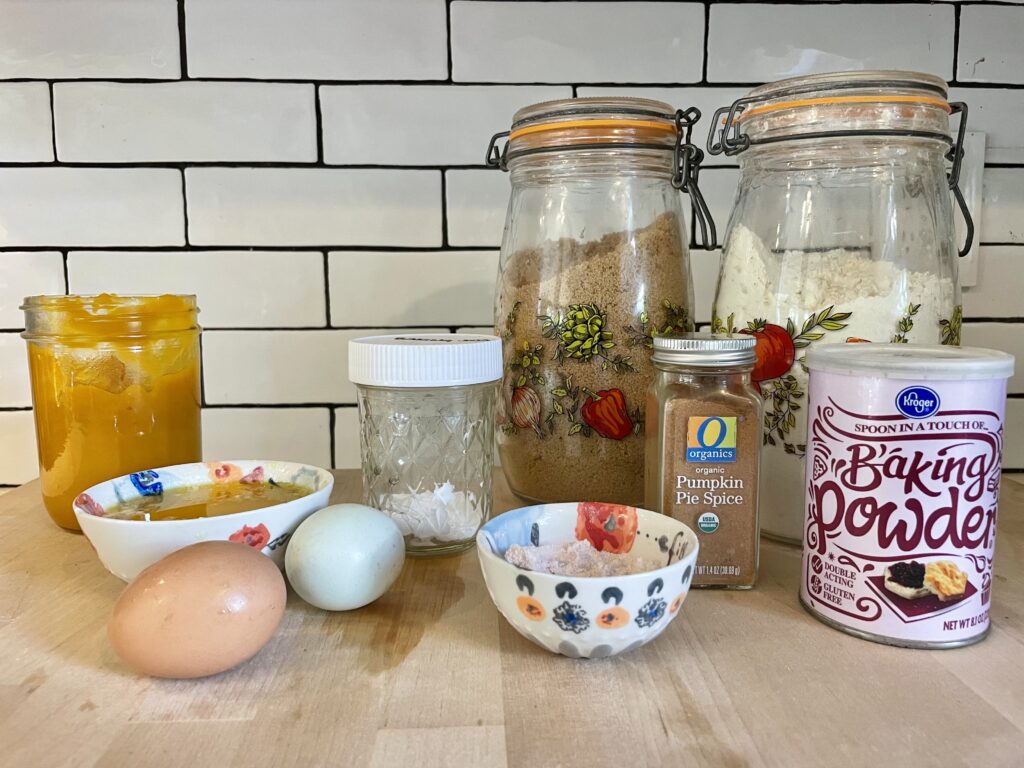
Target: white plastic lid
<point x="907" y="361"/>
<point x="424" y="360"/>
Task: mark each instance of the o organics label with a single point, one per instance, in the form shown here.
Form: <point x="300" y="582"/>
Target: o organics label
<point x="711" y="439"/>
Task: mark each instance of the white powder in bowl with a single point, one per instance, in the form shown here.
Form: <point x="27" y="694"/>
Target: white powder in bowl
<point x="576" y="558"/>
<point x="802" y="291"/>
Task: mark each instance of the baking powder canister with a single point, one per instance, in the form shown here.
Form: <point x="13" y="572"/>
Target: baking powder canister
<point x="903" y="463"/>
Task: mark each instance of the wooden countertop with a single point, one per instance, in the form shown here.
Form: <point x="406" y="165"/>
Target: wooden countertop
<point x="431" y="674"/>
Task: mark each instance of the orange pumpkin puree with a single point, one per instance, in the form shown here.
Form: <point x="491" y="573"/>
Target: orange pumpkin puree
<point x="115" y="389"/>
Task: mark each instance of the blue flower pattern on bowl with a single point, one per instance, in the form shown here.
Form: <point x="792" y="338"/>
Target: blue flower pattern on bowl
<point x="147" y="483"/>
<point x="571" y="617"/>
<point x="650" y="613"/>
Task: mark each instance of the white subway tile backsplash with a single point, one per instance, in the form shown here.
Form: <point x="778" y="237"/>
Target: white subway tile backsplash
<point x="718" y="185"/>
<point x="755" y="42"/>
<point x="154" y="122"/>
<point x="558" y="42"/>
<point x="317" y="39"/>
<point x="1002" y="209"/>
<point x="477" y="202"/>
<point x="990" y="48"/>
<point x="280" y="367"/>
<point x="402" y="288"/>
<point x="314" y="206"/>
<point x="704" y="268"/>
<point x="1013" y="446"/>
<point x="235" y="289"/>
<point x="346" y="438"/>
<point x="704" y="98"/>
<point x="997" y="293"/>
<point x="451" y="124"/>
<point x="14" y="387"/>
<point x="19" y="461"/>
<point x="27" y="273"/>
<point x="59" y="39"/>
<point x="1003" y="336"/>
<point x="25" y="123"/>
<point x="91" y="206"/>
<point x="999" y="113"/>
<point x="285" y="434"/>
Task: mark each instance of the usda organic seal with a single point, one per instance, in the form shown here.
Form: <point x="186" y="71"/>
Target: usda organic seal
<point x="708" y="522"/>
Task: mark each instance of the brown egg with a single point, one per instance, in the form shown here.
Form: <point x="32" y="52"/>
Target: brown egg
<point x="199" y="611"/>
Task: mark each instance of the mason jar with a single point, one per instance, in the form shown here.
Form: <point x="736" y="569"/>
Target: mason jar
<point x="426" y="433"/>
<point x="594" y="265"/>
<point x="115" y="389"/>
<point x="842" y="232"/>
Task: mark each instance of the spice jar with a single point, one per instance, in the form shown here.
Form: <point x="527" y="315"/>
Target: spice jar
<point x="703" y="441"/>
<point x="594" y="265"/>
<point x="115" y="389"/>
<point x="426" y="433"/>
<point x="842" y="232"/>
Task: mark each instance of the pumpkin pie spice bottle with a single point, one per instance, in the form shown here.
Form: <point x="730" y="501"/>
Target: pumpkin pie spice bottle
<point x="703" y="444"/>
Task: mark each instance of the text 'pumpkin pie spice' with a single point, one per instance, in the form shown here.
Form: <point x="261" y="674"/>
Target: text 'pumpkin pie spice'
<point x="703" y="451"/>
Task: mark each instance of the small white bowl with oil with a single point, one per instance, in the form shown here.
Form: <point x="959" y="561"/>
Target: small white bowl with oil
<point x="134" y="520"/>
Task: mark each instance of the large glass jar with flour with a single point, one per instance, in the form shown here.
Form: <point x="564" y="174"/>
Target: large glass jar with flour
<point x="842" y="232"/>
<point x="594" y="265"/>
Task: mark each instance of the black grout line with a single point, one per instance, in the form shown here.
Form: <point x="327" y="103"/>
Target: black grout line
<point x="14" y="408"/>
<point x="331" y="420"/>
<point x="319" y="125"/>
<point x="448" y="34"/>
<point x="182" y="44"/>
<point x="184" y="206"/>
<point x="956" y="41"/>
<point x="327" y="290"/>
<point x="444" y="209"/>
<point x="707" y="35"/>
<point x="278" y="406"/>
<point x="53" y="124"/>
<point x="67" y="283"/>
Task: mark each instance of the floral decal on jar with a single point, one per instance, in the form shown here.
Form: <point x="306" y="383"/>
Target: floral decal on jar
<point x="256" y="537"/>
<point x="776" y="351"/>
<point x="949" y="330"/>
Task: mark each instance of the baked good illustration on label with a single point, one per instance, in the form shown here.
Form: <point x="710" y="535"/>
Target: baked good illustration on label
<point x="915" y="580"/>
<point x="945" y="580"/>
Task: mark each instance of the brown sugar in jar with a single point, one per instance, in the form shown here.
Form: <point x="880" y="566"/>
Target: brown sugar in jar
<point x="703" y="444"/>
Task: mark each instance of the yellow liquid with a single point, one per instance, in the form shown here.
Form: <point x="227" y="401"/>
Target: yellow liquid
<point x="191" y="502"/>
<point x="114" y="392"/>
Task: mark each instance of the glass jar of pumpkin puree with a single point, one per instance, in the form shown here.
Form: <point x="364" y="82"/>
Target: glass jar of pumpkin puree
<point x="115" y="389"/>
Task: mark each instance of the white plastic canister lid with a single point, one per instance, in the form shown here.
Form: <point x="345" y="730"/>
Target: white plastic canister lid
<point x="424" y="360"/>
<point x="908" y="361"/>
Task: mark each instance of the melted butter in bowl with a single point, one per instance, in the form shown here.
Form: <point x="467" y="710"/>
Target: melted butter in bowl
<point x="207" y="500"/>
<point x="134" y="520"/>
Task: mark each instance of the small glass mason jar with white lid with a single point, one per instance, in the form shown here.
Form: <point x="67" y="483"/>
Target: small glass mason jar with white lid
<point x="426" y="433"/>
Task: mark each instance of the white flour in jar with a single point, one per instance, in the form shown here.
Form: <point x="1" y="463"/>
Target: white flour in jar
<point x="883" y="302"/>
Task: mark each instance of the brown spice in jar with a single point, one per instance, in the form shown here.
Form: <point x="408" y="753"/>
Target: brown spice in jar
<point x="718" y="501"/>
<point x="639" y="281"/>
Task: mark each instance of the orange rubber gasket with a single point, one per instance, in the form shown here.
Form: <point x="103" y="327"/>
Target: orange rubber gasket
<point x="626" y="123"/>
<point x="933" y="100"/>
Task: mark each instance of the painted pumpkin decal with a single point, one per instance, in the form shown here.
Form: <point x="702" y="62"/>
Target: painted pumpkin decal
<point x="605" y="413"/>
<point x="530" y="607"/>
<point x="255" y="477"/>
<point x="775" y="350"/>
<point x="223" y="472"/>
<point x="608" y="527"/>
<point x="677" y="602"/>
<point x="612" y="618"/>
<point x="89" y="505"/>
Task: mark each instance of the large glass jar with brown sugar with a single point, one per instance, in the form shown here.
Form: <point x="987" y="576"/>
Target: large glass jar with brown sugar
<point x="594" y="265"/>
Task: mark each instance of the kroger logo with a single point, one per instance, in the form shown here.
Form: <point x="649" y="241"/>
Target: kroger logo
<point x="917" y="402"/>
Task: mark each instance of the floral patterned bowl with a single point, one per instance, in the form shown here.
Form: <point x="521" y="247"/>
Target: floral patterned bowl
<point x="595" y="616"/>
<point x="125" y="547"/>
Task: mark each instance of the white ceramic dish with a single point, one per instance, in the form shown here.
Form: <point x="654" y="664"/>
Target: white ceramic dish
<point x="589" y="616"/>
<point x="125" y="547"/>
